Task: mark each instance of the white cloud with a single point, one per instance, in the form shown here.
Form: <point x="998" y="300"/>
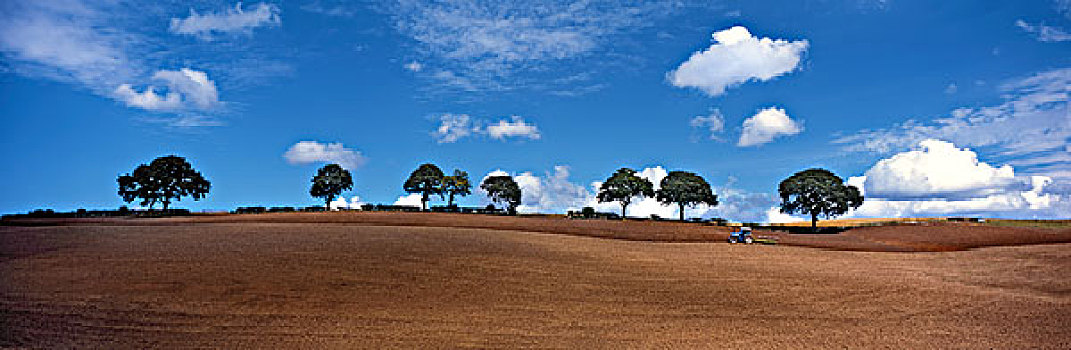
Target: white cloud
<point x="550" y="193"/>
<point x="335" y="9"/>
<point x="1030" y="129"/>
<point x="68" y="42"/>
<point x="766" y="125"/>
<point x="341" y="203"/>
<point x="775" y="216"/>
<point x="939" y="179"/>
<point x="1043" y="32"/>
<point x="414" y="66"/>
<point x="714" y="123"/>
<point x="938" y="169"/>
<point x="515" y="128"/>
<point x="453" y="127"/>
<point x="412" y="200"/>
<point x="184" y="86"/>
<point x="737" y="57"/>
<point x="486" y="43"/>
<point x="231" y="21"/>
<point x="148" y="99"/>
<point x="554" y="192"/>
<point x="306" y="152"/>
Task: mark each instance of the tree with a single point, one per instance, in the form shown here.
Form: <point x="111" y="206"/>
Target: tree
<point x="329" y="182"/>
<point x="685" y="189"/>
<point x="502" y="189"/>
<point x="622" y="186"/>
<point x="456" y="185"/>
<point x="426" y="180"/>
<point x="817" y="192"/>
<point x="163" y="180"/>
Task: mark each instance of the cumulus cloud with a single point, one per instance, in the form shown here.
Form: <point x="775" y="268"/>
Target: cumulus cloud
<point x="713" y="123"/>
<point x="937" y="169"/>
<point x="231" y="21"/>
<point x="1043" y="32"/>
<point x="184" y="86"/>
<point x="306" y="152"/>
<point x="766" y="125"/>
<point x="737" y="57"/>
<point x="550" y="193"/>
<point x="555" y="192"/>
<point x="940" y="179"/>
<point x="1030" y="129"/>
<point x="148" y="99"/>
<point x="453" y="127"/>
<point x="775" y="216"/>
<point x="516" y="127"/>
<point x="412" y="200"/>
<point x="341" y="203"/>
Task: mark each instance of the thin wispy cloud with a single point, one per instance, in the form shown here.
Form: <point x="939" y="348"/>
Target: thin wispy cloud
<point x="1030" y="128"/>
<point x="480" y="46"/>
<point x="236" y="20"/>
<point x="72" y="42"/>
<point x="1043" y="32"/>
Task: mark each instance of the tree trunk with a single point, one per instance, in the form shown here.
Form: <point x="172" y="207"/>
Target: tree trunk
<point x="682" y="211"/>
<point x="327" y="204"/>
<point x="623" y="206"/>
<point x="451" y="202"/>
<point x="165" y="205"/>
<point x="814" y="221"/>
<point x="424" y="202"/>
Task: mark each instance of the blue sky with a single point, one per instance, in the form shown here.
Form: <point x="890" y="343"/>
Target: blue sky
<point x="932" y="108"/>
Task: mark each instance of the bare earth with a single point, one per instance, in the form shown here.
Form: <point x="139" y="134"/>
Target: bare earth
<point x="374" y="280"/>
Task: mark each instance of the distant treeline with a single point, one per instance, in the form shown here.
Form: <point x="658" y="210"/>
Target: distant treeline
<point x="83" y="213"/>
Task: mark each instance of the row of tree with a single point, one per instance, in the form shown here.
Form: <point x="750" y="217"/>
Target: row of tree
<point x="814" y="192"/>
<point x="427" y="181"/>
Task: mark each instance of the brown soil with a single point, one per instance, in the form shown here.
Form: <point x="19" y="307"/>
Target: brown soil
<point x="418" y="280"/>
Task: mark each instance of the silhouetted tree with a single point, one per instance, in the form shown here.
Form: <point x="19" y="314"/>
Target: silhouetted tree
<point x="817" y="192"/>
<point x="502" y="189"/>
<point x="163" y="180"/>
<point x="456" y="185"/>
<point x="685" y="189"/>
<point x="622" y="186"/>
<point x="426" y="180"/>
<point x="329" y="183"/>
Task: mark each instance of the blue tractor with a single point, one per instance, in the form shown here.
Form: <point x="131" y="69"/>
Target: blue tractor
<point x="741" y="235"/>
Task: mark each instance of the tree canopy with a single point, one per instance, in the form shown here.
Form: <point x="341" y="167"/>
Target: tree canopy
<point x="686" y="190"/>
<point x="426" y="180"/>
<point x="502" y="189"/>
<point x="329" y="182"/>
<point x="163" y="180"/>
<point x="456" y="185"/>
<point x="817" y="192"/>
<point x="622" y="186"/>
